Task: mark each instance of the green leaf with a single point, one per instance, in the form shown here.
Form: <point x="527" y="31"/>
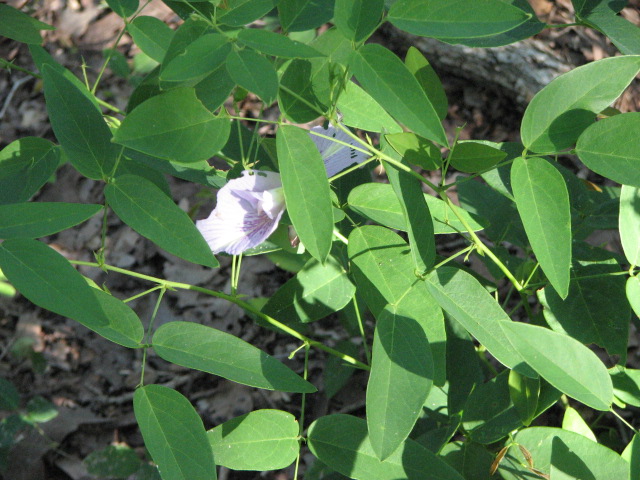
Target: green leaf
<point x="78" y="125"/>
<point x="469" y="459"/>
<point x="378" y="202"/>
<point x="420" y="67"/>
<point x="271" y="43"/>
<point x="341" y="442"/>
<point x="337" y="373"/>
<point x="456" y="19"/>
<point x="152" y="35"/>
<point x="196" y="61"/>
<point x="39" y="219"/>
<point x="542" y="200"/>
<point x="174" y="434"/>
<point x="315" y="292"/>
<point x="463" y="366"/>
<point x="622" y="33"/>
<point x="25" y="166"/>
<point x="384" y="273"/>
<point x="633" y="293"/>
<point x="595" y="311"/>
<point x="561" y="450"/>
<point x="489" y="415"/>
<point x="300" y="15"/>
<point x="39" y="410"/>
<point x="237" y="13"/>
<point x="305" y="89"/>
<point x="503" y="221"/>
<point x="573" y="422"/>
<point x="631" y="454"/>
<point x="9" y="396"/>
<point x="468" y="302"/>
<point x="182" y="130"/>
<point x="219" y="353"/>
<point x="113" y="461"/>
<point x="358" y="19"/>
<point x="214" y="89"/>
<point x="564" y="362"/>
<point x="416" y="214"/>
<point x="626" y="385"/>
<point x="629" y="223"/>
<point x="306" y="189"/>
<point x="360" y="110"/>
<point x="401" y="367"/>
<point x="587" y="7"/>
<point x="524" y="393"/>
<point x="416" y="150"/>
<point x="254" y="73"/>
<point x="124" y="8"/>
<point x="48" y="280"/>
<point x="610" y="147"/>
<point x="20" y="27"/>
<point x="561" y="111"/>
<point x="472" y="157"/>
<point x="261" y="440"/>
<point x="146" y="209"/>
<point x="525" y="30"/>
<point x="392" y="85"/>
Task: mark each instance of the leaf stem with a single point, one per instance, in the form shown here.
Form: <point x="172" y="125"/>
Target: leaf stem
<point x="163" y="289"/>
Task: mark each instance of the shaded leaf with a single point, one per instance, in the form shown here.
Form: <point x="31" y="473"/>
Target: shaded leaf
<point x="39" y="219"/>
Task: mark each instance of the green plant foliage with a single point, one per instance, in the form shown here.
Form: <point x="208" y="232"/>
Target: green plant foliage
<point x="174" y="434"/>
<point x="353" y="455"/>
<point x="543" y="204"/>
<point x="306" y="190"/>
<point x="217" y="352"/>
<point x="566" y="451"/>
<point x="260" y="440"/>
<point x="113" y="461"/>
<point x="84" y="136"/>
<point x="34" y="220"/>
<point x="572" y="369"/>
<point x="610" y="148"/>
<point x="456" y="19"/>
<point x="194" y="135"/>
<point x="445" y="291"/>
<point x="402" y="367"/>
<point x="392" y="85"/>
<point x="138" y="203"/>
<point x="562" y="110"/>
<point x="21" y="27"/>
<point x="152" y="35"/>
<point x="315" y="292"/>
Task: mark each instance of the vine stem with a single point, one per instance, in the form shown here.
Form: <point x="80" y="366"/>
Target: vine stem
<point x="237" y="301"/>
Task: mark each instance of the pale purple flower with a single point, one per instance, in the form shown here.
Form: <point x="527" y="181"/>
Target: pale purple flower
<point x="249" y="207"/>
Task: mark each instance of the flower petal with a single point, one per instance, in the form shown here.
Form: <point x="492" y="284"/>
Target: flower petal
<point x="336" y="156"/>
<point x="247" y="212"/>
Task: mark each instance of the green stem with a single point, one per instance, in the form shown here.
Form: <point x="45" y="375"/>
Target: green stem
<point x="625" y="422"/>
<point x="113" y="108"/>
<point x="340" y="237"/>
<point x="379" y="154"/>
<point x="303" y="405"/>
<point x="12" y="66"/>
<point x="365" y="346"/>
<point x="237" y="301"/>
<point x="480" y="245"/>
<point x="148" y="335"/>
